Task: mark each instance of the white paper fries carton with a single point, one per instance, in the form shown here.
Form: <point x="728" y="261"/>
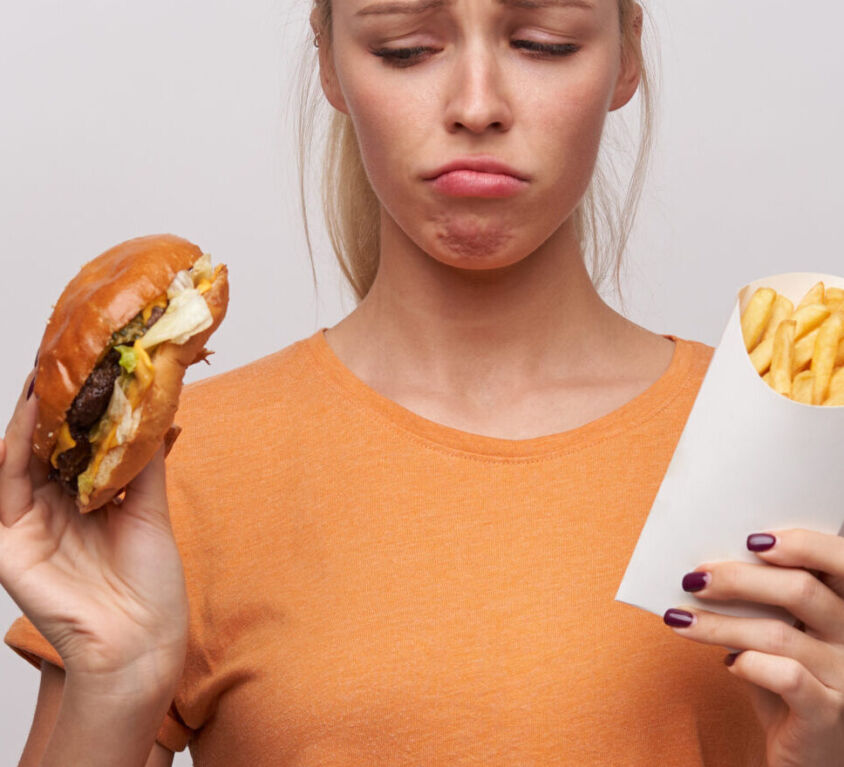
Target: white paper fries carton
<point x="749" y="460"/>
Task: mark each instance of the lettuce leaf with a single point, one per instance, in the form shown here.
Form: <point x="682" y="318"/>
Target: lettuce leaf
<point x="128" y="358"/>
<point x="187" y="314"/>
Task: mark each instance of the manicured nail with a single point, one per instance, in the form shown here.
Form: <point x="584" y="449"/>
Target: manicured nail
<point x="678" y="619"/>
<point x="731" y="658"/>
<point x="31" y="387"/>
<point x="760" y="541"/>
<point x="696" y="581"/>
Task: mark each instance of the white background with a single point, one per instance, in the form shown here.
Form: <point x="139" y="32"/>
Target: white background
<point x="121" y="119"/>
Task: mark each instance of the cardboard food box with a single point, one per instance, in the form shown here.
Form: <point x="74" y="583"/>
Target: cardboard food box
<point x="749" y="460"/>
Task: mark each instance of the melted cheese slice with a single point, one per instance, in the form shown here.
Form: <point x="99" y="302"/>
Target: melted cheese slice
<point x="64" y="442"/>
<point x="147" y="311"/>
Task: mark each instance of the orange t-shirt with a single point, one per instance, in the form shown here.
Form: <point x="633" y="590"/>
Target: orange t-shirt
<point x="370" y="587"/>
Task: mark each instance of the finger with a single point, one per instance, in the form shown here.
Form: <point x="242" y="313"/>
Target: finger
<point x="804" y="694"/>
<point x="795" y="589"/>
<point x="800" y="548"/>
<point x="15" y="480"/>
<point x="147" y="492"/>
<point x="768" y="635"/>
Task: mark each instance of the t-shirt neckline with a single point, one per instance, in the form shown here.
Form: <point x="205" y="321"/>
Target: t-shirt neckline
<point x="637" y="410"/>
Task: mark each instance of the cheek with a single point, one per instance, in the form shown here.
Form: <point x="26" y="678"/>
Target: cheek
<point x="393" y="126"/>
<point x="572" y="120"/>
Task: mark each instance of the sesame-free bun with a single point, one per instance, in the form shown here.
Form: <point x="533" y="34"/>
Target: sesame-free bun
<point x="106" y="295"/>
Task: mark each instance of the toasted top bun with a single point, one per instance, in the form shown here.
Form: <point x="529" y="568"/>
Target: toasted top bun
<point x="106" y="294"/>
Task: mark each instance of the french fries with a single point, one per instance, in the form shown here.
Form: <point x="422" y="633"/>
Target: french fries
<point x="798" y="351"/>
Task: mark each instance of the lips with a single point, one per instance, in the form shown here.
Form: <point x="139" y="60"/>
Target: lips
<point x="478" y="163"/>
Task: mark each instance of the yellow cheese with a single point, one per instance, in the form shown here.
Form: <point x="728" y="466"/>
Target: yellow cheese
<point x="160" y="301"/>
<point x="144" y="372"/>
<point x="102" y="449"/>
<point x="64" y="442"/>
<point x="203" y="286"/>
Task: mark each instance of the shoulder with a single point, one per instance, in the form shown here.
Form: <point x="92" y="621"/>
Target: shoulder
<point x="248" y="384"/>
<point x="224" y="418"/>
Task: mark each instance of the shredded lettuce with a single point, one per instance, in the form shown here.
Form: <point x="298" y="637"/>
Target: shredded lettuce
<point x="128" y="358"/>
<point x="202" y="269"/>
<point x="181" y="282"/>
<point x="187" y="314"/>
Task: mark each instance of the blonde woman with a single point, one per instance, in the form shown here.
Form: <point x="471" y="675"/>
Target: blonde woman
<point x="397" y="541"/>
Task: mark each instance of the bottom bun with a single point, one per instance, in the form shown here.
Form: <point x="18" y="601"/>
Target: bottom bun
<point x="158" y="407"/>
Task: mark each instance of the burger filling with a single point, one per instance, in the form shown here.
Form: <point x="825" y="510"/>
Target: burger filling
<point x="106" y="412"/>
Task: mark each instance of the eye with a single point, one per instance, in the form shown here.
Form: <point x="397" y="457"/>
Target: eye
<point x="554" y="49"/>
<point x="400" y="57"/>
<point x="404" y="57"/>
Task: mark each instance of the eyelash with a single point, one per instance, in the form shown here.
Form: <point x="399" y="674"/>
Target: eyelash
<point x="403" y="57"/>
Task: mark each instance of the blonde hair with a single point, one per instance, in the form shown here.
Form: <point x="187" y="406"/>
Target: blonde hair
<point x="352" y="211"/>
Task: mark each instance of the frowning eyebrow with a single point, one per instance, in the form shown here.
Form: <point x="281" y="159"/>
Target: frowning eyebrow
<point x="421" y="6"/>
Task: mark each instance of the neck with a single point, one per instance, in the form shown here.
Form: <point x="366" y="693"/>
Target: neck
<point x="538" y="318"/>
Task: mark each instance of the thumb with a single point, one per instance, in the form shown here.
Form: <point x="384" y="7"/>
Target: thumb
<point x="147" y="492"/>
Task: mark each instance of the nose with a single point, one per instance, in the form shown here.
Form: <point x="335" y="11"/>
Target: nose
<point x="477" y="95"/>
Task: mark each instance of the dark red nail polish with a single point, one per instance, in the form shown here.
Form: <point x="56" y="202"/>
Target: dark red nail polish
<point x="695" y="581"/>
<point x="760" y="542"/>
<point x="731" y="658"/>
<point x="678" y="619"/>
<point x="31" y="387"/>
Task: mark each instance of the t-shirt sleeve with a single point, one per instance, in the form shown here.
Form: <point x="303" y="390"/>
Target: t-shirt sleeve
<point x="28" y="642"/>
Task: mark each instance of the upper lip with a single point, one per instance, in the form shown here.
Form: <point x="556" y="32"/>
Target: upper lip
<point x="482" y="163"/>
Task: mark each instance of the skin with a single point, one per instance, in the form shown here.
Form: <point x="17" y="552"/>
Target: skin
<point x="490" y="297"/>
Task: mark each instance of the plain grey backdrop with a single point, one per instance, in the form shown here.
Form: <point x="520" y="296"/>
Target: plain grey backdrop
<point x="121" y="119"/>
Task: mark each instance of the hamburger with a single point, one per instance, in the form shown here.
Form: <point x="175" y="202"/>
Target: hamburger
<point x="110" y="365"/>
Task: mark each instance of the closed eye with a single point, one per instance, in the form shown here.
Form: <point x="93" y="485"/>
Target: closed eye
<point x="403" y="57"/>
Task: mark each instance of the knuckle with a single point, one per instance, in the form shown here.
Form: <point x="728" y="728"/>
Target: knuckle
<point x="805" y="589"/>
<point x="780" y="638"/>
<point x="725" y="580"/>
<point x="792" y="677"/>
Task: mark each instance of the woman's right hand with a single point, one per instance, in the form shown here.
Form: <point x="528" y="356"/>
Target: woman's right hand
<point x="105" y="588"/>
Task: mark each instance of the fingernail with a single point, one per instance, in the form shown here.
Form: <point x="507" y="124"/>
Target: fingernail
<point x="696" y="581"/>
<point x="678" y="619"/>
<point x="760" y="541"/>
<point x="731" y="658"/>
<point x="31" y="387"/>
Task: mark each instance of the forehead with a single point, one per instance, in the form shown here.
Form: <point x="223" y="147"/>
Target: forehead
<point x="380" y="8"/>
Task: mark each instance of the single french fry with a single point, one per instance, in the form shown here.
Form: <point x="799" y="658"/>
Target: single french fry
<point x="808" y="318"/>
<point x="782" y="361"/>
<point x="782" y="310"/>
<point x="801" y="387"/>
<point x="803" y="351"/>
<point x="839" y="358"/>
<point x="761" y="356"/>
<point x="836" y="389"/>
<point x="756" y="315"/>
<point x="815" y="295"/>
<point x="767" y="378"/>
<point x="833" y="295"/>
<point x="823" y="359"/>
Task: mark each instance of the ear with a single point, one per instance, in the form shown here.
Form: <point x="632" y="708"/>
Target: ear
<point x="629" y="73"/>
<point x="327" y="73"/>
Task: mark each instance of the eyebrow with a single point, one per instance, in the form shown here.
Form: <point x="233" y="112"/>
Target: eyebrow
<point x="421" y="6"/>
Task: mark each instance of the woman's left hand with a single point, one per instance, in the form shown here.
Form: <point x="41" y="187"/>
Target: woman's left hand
<point x="796" y="676"/>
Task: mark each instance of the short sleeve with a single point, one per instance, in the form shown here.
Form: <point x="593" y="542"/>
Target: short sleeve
<point x="31" y="645"/>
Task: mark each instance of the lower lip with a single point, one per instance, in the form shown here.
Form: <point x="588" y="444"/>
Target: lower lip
<point x="471" y="183"/>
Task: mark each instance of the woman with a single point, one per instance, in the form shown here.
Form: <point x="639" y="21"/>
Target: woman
<point x="397" y="541"/>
